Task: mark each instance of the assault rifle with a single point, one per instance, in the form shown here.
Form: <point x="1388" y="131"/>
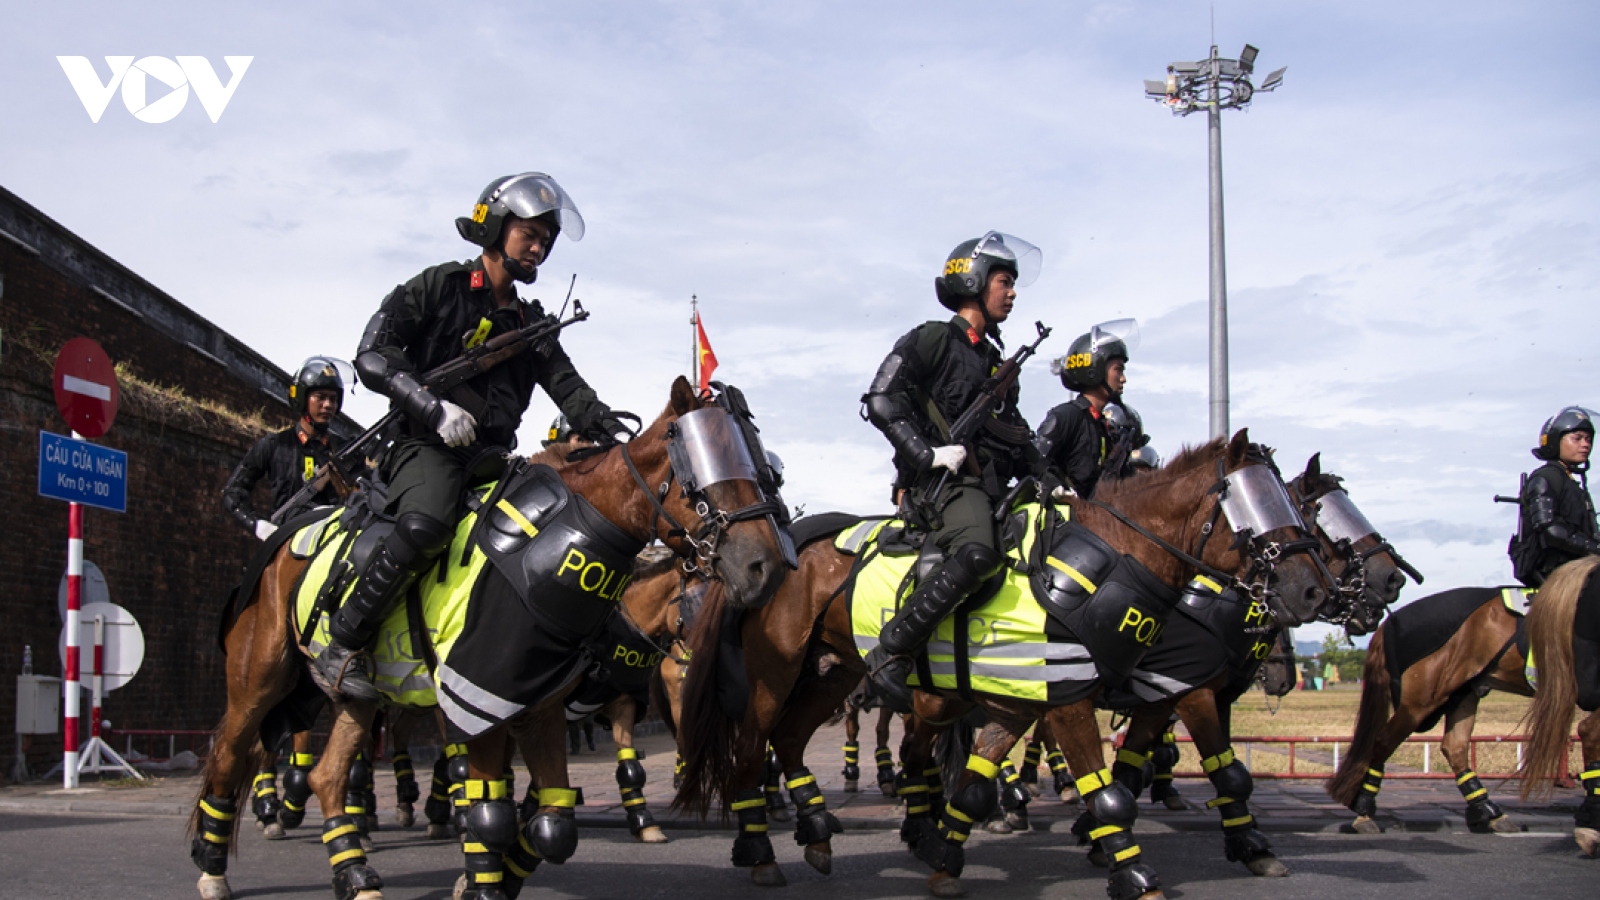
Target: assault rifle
<point x="449" y="379"/>
<point x="981" y="410"/>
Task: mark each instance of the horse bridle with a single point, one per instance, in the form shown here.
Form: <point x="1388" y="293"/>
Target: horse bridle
<point x="1264" y="553"/>
<point x="1352" y="582"/>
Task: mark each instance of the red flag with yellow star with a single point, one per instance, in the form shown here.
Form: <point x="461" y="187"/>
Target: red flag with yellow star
<point x="706" y="356"/>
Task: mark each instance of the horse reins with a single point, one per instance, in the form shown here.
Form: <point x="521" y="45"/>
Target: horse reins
<point x="714" y="522"/>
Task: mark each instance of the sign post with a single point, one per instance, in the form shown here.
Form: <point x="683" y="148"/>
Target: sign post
<point x="85" y="386"/>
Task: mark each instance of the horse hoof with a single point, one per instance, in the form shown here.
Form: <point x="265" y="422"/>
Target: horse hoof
<point x="438" y="832"/>
<point x="820" y="857"/>
<point x="779" y="815"/>
<point x="1097" y="858"/>
<point x="652" y="835"/>
<point x="1366" y="825"/>
<point x="274" y="832"/>
<point x="366" y="844"/>
<point x="768" y="875"/>
<point x="214" y="887"/>
<point x="1033" y="789"/>
<point x="1177" y="804"/>
<point x="850" y="787"/>
<point x="886" y="789"/>
<point x="998" y="826"/>
<point x="1069" y="796"/>
<point x="261" y="824"/>
<point x="1267" y="866"/>
<point x="1504" y="825"/>
<point x="460" y="890"/>
<point x="1018" y="820"/>
<point x="1588" y="841"/>
<point x="368" y="895"/>
<point x="943" y="884"/>
<point x="404" y="815"/>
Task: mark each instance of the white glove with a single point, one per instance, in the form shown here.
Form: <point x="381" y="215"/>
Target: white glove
<point x="1061" y="493"/>
<point x="456" y="426"/>
<point x="622" y="435"/>
<point x="264" y="529"/>
<point x="949" y="457"/>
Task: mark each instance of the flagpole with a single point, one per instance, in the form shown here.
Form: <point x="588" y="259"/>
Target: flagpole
<point x="694" y="339"/>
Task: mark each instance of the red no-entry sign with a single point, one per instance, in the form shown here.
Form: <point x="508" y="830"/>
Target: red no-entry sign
<point x="85" y="385"/>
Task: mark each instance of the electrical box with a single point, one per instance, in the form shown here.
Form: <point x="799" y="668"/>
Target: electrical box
<point x="38" y="704"/>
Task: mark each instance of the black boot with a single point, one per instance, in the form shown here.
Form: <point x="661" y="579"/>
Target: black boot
<point x="416" y="540"/>
<point x="890" y="663"/>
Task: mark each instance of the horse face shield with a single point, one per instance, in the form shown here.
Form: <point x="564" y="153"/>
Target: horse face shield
<point x="709" y="447"/>
<point x="1365" y="598"/>
<point x="1257" y="504"/>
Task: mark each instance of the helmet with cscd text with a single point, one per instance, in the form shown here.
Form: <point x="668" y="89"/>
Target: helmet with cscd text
<point x="968" y="267"/>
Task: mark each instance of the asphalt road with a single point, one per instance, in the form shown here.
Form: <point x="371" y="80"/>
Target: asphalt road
<point x="50" y="856"/>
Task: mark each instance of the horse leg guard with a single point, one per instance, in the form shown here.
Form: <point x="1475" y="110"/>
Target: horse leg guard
<point x="553" y="830"/>
<point x="341" y="835"/>
<point x="752" y="847"/>
<point x="529" y="807"/>
<point x="1588" y="814"/>
<point x="264" y="802"/>
<point x="677" y="771"/>
<point x="355" y="793"/>
<point x="1164" y="759"/>
<point x="918" y="821"/>
<point x="406" y="790"/>
<point x="1129" y="770"/>
<point x="885" y="760"/>
<point x="1014" y="798"/>
<point x="813" y="823"/>
<point x="973" y="803"/>
<point x="458" y="773"/>
<point x="210" y="847"/>
<point x="491" y="831"/>
<point x="1366" y="802"/>
<point x="777" y="809"/>
<point x="852" y="765"/>
<point x="1029" y="773"/>
<point x="1241" y="840"/>
<point x="630" y="781"/>
<point x="1115" y="809"/>
<point x="437" y="809"/>
<point x="296" y="790"/>
<point x="934" y="778"/>
<point x="1480" y="809"/>
<point x="1063" y="775"/>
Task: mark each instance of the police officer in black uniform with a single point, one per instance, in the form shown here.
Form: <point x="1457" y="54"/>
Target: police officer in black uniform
<point x="1125" y="437"/>
<point x="424" y="323"/>
<point x="1073" y="440"/>
<point x="1557" y="514"/>
<point x="291" y="457"/>
<point x="924" y="385"/>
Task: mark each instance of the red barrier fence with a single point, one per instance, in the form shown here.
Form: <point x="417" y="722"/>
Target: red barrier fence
<point x="1324" y="759"/>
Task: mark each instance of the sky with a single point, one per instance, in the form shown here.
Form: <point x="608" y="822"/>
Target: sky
<point x="1411" y="234"/>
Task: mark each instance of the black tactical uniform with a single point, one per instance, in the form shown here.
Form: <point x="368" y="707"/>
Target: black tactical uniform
<point x="426" y="322"/>
<point x="930" y="378"/>
<point x="288" y="458"/>
<point x="1558" y="515"/>
<point x="1072" y="444"/>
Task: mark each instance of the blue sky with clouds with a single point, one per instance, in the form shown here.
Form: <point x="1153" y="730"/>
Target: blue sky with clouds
<point x="1411" y="217"/>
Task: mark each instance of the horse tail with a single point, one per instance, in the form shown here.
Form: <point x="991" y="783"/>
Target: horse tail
<point x="1548" y="721"/>
<point x="1370" y="720"/>
<point x="951" y="748"/>
<point x="257" y="756"/>
<point x="708" y="736"/>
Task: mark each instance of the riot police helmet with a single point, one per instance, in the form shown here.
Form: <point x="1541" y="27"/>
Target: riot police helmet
<point x="531" y="195"/>
<point x="966" y="270"/>
<point x="1558" y="426"/>
<point x="319" y="373"/>
<point x="560" y="431"/>
<point x="1090" y="356"/>
<point x="1145" y="458"/>
<point x="1123" y="423"/>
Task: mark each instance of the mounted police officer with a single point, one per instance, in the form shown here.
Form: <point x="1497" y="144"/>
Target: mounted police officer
<point x="290" y="458"/>
<point x="924" y="385"/>
<point x="443" y="447"/>
<point x="1126" y="438"/>
<point x="1557" y="514"/>
<point x="1073" y="440"/>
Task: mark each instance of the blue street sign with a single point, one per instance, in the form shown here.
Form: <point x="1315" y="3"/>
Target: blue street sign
<point x="81" y="472"/>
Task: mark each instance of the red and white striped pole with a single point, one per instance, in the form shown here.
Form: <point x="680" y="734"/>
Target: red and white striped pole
<point x="69" y="678"/>
<point x="97" y="685"/>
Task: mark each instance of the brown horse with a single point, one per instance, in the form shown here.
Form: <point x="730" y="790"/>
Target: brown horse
<point x="1433" y="658"/>
<point x="801" y="659"/>
<point x="1564" y="631"/>
<point x="629" y="485"/>
<point x="882" y="756"/>
<point x="1202" y="638"/>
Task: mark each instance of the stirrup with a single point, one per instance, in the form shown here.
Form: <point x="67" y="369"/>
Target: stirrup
<point x="334" y="665"/>
<point x="894" y="694"/>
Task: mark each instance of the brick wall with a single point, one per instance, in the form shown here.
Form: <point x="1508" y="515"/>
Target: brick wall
<point x="171" y="558"/>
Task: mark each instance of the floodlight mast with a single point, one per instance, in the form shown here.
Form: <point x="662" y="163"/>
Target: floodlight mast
<point x="1214" y="84"/>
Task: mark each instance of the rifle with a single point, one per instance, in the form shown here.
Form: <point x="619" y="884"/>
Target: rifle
<point x="450" y="378"/>
<point x="981" y="409"/>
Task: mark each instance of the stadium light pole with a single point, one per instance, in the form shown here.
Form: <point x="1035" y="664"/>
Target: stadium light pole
<point x="1214" y="84"/>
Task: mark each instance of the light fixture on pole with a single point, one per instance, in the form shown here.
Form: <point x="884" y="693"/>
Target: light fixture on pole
<point x="1214" y="84"/>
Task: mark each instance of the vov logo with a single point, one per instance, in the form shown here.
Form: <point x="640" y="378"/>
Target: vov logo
<point x="134" y="78"/>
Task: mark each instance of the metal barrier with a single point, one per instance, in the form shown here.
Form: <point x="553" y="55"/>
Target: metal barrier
<point x="1244" y="746"/>
<point x="161" y="744"/>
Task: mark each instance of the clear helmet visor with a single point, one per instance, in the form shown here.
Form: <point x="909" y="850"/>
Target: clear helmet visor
<point x="532" y="194"/>
<point x="322" y="364"/>
<point x="1124" y="330"/>
<point x="1014" y="250"/>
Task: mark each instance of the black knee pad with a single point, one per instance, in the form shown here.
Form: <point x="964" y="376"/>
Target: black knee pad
<point x="973" y="563"/>
<point x="264" y="802"/>
<point x="1233" y="780"/>
<point x="210" y="847"/>
<point x="425" y="536"/>
<point x="296" y="790"/>
<point x="1113" y="805"/>
<point x="492" y="817"/>
<point x="1132" y="882"/>
<point x="1164" y="757"/>
<point x="630" y="772"/>
<point x="978" y="799"/>
<point x="553" y="831"/>
<point x="1129" y="770"/>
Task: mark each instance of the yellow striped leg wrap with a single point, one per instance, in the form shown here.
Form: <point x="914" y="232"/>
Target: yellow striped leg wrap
<point x="1092" y="782"/>
<point x="1213" y="763"/>
<point x="1030" y="756"/>
<point x="483" y="789"/>
<point x="852" y="753"/>
<point x="301" y="760"/>
<point x="271" y="779"/>
<point x="982" y="767"/>
<point x="342" y="837"/>
<point x="1132" y="758"/>
<point x="565" y="798"/>
<point x="1056" y="761"/>
<point x="402" y="766"/>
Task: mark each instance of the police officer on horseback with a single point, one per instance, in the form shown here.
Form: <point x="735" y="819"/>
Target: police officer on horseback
<point x="927" y="381"/>
<point x="1557" y="514"/>
<point x="1074" y="440"/>
<point x="290" y="458"/>
<point x="442" y="447"/>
